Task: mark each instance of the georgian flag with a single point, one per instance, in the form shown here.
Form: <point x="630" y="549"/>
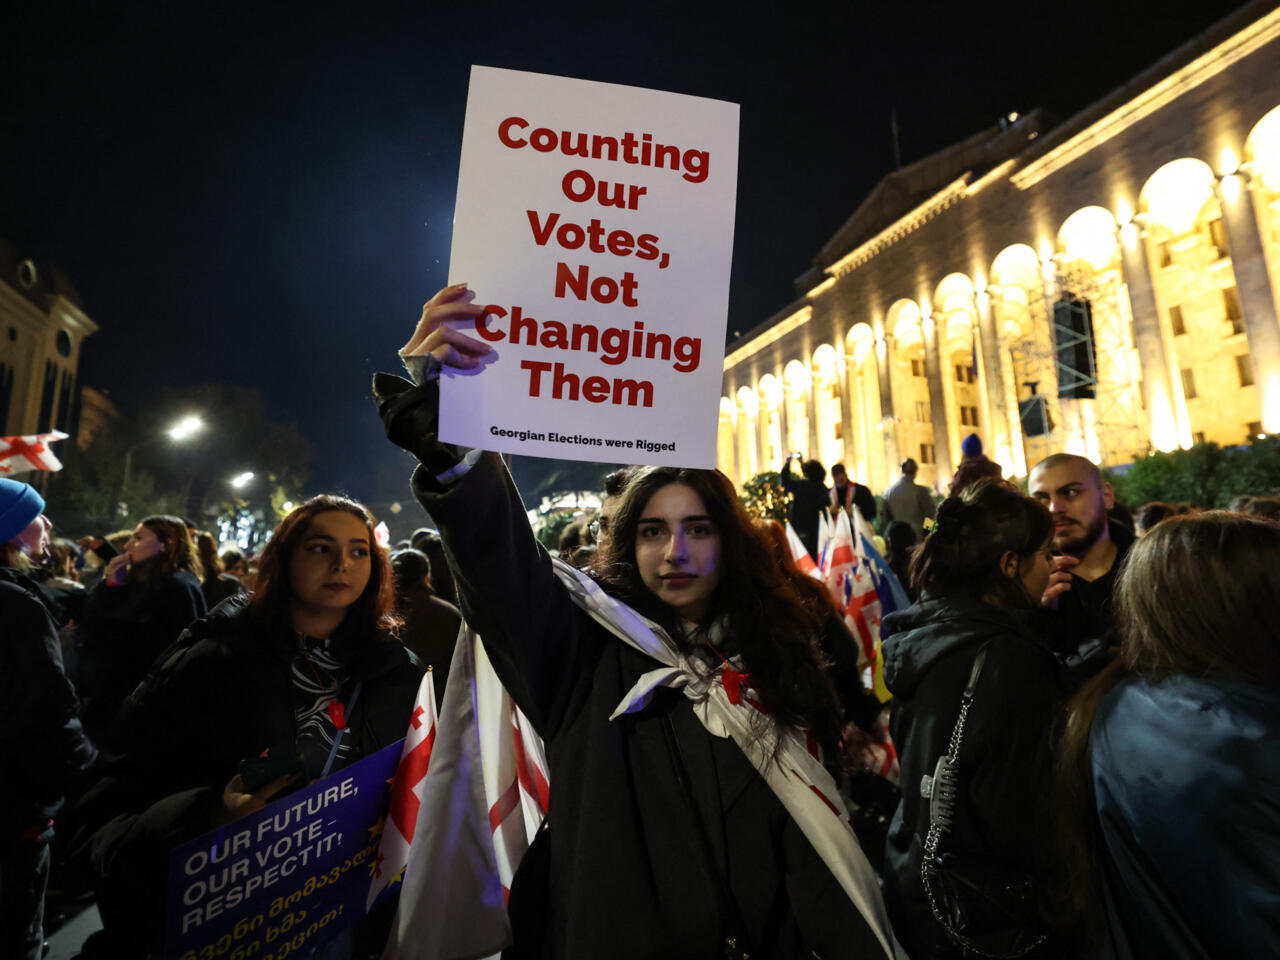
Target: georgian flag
<point x="824" y="544"/>
<point x="20" y="454"/>
<point x="401" y="820"/>
<point x="839" y="557"/>
<point x="892" y="596"/>
<point x="889" y="596"/>
<point x="486" y="794"/>
<point x="853" y="588"/>
<point x="804" y="563"/>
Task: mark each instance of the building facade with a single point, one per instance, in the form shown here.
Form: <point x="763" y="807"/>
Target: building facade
<point x="42" y="326"/>
<point x="931" y="313"/>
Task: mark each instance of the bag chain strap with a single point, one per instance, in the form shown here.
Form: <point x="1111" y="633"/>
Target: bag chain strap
<point x="940" y="814"/>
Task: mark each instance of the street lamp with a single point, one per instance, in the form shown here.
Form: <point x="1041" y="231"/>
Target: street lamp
<point x="185" y="428"/>
<point x="180" y="432"/>
<point x="242" y="480"/>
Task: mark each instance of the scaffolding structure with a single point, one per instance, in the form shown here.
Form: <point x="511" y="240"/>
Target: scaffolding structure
<point x="1110" y="427"/>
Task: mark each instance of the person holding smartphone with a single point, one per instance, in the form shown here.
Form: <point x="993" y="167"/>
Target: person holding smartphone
<point x="809" y="498"/>
<point x="262" y="696"/>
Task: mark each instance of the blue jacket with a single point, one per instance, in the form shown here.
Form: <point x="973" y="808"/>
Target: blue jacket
<point x="1186" y="778"/>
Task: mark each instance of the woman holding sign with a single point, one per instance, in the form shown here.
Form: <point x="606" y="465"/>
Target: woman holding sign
<point x="262" y="696"/>
<point x="681" y="699"/>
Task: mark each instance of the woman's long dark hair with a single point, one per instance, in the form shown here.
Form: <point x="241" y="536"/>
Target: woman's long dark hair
<point x="179" y="552"/>
<point x="373" y="610"/>
<point x="1196" y="595"/>
<point x="207" y="548"/>
<point x="770" y="625"/>
<point x="973" y="531"/>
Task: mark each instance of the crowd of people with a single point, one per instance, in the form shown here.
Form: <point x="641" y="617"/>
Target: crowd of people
<point x="1083" y="702"/>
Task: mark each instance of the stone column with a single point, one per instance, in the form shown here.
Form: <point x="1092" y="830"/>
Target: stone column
<point x="843" y="381"/>
<point x="811" y="407"/>
<point x="888" y="425"/>
<point x="739" y="468"/>
<point x="757" y="435"/>
<point x="784" y="420"/>
<point x="1257" y="298"/>
<point x="1149" y="339"/>
<point x="992" y="375"/>
<point x="937" y="403"/>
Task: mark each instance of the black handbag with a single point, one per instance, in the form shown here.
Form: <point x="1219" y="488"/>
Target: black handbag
<point x="986" y="908"/>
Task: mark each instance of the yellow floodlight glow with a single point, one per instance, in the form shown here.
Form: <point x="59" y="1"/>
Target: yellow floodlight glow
<point x="1089" y="234"/>
<point x="1271" y="403"/>
<point x="1231" y="187"/>
<point x="1124" y="213"/>
<point x="1177" y="192"/>
<point x="1228" y="162"/>
<point x="1263" y="150"/>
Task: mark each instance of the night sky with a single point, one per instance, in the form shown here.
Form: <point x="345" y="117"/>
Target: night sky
<point x="263" y="194"/>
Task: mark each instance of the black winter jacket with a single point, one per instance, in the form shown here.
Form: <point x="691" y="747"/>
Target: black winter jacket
<point x="221" y="693"/>
<point x="125" y="628"/>
<point x="41" y="740"/>
<point x="810" y="500"/>
<point x="627" y="873"/>
<point x="1001" y="814"/>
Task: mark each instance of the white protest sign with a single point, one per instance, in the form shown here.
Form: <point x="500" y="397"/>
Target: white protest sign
<point x="596" y="222"/>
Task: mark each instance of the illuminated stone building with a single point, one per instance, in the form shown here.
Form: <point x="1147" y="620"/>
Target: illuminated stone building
<point x="42" y="326"/>
<point x="930" y="314"/>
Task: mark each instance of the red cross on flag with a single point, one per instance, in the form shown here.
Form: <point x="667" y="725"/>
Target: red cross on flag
<point x="804" y="562"/>
<point x="841" y="557"/>
<point x="406" y="792"/>
<point x="20" y="454"/>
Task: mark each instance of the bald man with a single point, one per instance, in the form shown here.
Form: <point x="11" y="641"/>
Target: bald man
<point x="1081" y="629"/>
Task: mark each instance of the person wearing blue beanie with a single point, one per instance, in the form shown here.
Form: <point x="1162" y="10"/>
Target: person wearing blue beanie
<point x="42" y="742"/>
<point x="974" y="466"/>
<point x="20" y="506"/>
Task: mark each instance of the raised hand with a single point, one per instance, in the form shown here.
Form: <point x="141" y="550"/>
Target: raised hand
<point x="446" y="343"/>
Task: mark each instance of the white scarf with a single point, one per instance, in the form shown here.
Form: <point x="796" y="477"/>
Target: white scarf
<point x="779" y="755"/>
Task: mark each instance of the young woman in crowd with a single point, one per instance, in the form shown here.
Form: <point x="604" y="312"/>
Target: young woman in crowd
<point x="309" y="661"/>
<point x="981" y="571"/>
<point x="685" y="816"/>
<point x="1170" y="761"/>
<point x="218" y="584"/>
<point x="148" y="594"/>
<point x="839" y="648"/>
<point x="873" y="797"/>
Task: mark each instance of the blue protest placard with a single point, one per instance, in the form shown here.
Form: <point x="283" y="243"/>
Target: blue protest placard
<point x="287" y="880"/>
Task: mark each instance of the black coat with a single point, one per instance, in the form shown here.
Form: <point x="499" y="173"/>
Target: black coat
<point x="430" y="630"/>
<point x="41" y="740"/>
<point x="125" y="628"/>
<point x="221" y="694"/>
<point x="1082" y="630"/>
<point x="627" y="872"/>
<point x="1001" y="815"/>
<point x="810" y="500"/>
